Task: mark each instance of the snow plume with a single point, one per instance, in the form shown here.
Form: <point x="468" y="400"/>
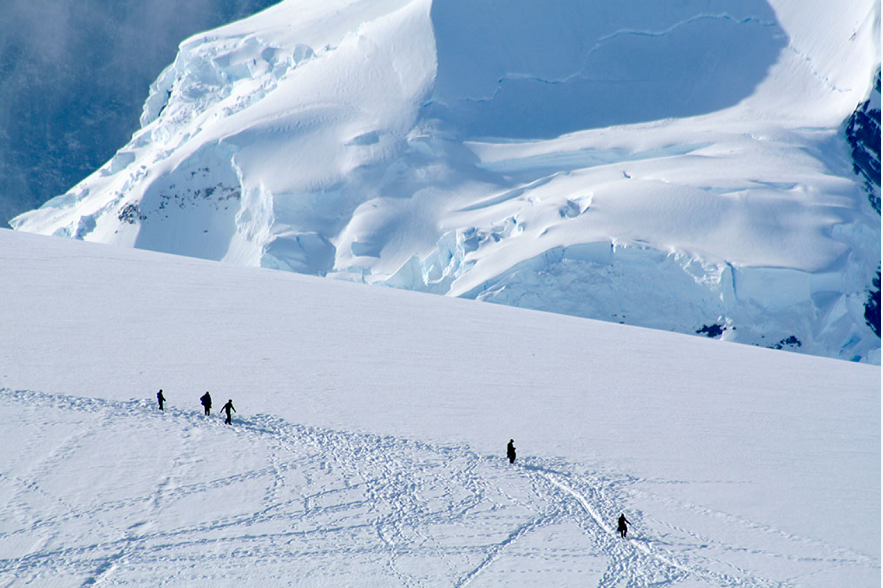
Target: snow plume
<point x="680" y="168"/>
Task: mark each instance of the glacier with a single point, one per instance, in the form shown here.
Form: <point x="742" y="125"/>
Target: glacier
<point x="682" y="168"/>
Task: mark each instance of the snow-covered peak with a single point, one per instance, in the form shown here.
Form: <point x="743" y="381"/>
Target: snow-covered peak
<point x="681" y="167"/>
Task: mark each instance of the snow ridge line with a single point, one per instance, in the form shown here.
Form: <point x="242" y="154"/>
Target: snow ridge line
<point x="624" y="32"/>
<point x="688" y="21"/>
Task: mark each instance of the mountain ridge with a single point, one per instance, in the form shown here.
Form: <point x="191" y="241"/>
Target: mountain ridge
<point x="328" y="150"/>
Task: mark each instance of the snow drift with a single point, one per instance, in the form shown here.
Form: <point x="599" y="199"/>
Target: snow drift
<point x="684" y="168"/>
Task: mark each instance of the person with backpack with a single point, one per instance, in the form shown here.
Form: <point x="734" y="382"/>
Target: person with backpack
<point x="510" y="451"/>
<point x="206" y="400"/>
<point x="160" y="398"/>
<point x="228" y="407"/>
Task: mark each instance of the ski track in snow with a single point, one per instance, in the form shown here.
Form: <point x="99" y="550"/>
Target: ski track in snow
<point x="387" y="505"/>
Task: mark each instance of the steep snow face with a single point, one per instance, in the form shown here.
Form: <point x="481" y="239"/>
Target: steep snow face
<point x="543" y="70"/>
<point x="683" y="169"/>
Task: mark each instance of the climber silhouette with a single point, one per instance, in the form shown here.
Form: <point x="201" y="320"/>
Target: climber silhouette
<point x="228" y="407"/>
<point x="206" y="400"/>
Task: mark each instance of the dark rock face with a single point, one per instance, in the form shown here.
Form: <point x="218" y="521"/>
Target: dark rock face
<point x="863" y="134"/>
<point x="712" y="331"/>
<point x="872" y="306"/>
<point x="790" y="342"/>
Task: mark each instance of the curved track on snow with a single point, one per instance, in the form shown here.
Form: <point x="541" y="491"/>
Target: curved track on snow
<point x="118" y="493"/>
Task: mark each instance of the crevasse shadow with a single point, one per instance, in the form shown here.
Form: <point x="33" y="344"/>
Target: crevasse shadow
<point x="529" y="69"/>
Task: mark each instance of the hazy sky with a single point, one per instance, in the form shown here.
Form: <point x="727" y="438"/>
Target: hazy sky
<point x="73" y="77"/>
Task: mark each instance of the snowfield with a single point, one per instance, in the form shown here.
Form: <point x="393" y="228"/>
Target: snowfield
<point x="368" y="444"/>
<point x="682" y="167"/>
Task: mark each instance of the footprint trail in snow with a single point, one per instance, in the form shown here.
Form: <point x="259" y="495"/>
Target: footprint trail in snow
<point x="98" y="492"/>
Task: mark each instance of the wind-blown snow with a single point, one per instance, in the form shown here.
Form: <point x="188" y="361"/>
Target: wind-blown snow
<point x="683" y="168"/>
<point x="368" y="443"/>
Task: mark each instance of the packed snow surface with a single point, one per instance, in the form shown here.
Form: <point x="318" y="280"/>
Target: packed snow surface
<point x="677" y="166"/>
<point x="368" y="444"/>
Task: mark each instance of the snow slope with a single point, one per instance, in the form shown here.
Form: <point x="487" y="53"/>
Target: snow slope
<point x="678" y="167"/>
<point x="367" y="447"/>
